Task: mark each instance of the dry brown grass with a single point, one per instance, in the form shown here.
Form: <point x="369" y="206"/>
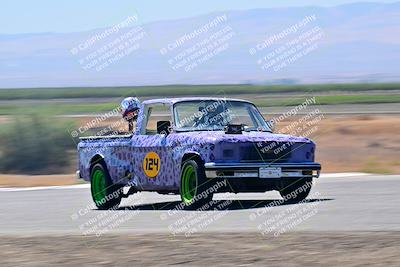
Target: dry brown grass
<point x="358" y="143"/>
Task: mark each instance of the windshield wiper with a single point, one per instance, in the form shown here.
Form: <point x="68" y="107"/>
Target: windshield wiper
<point x="198" y="130"/>
<point x="257" y="130"/>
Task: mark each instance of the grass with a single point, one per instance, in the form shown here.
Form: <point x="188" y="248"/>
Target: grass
<point x="357" y="99"/>
<point x="58" y="109"/>
<point x="72" y="108"/>
<point x="182" y="90"/>
<point x="376" y="167"/>
<point x="331" y="100"/>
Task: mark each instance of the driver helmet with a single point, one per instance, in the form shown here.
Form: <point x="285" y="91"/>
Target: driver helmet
<point x="129" y="105"/>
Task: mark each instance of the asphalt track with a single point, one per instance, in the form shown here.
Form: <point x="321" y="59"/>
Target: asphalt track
<point x="352" y="203"/>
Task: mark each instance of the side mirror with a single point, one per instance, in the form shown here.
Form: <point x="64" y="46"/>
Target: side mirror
<point x="234" y="128"/>
<point x="271" y="125"/>
<point x="163" y="127"/>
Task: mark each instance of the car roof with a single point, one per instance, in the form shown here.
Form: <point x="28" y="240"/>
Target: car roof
<point x="171" y="101"/>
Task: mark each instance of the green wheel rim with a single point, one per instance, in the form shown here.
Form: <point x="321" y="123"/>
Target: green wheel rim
<point x="189" y="184"/>
<point x="99" y="186"/>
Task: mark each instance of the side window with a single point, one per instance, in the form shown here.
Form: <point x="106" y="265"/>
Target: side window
<point x="155" y="114"/>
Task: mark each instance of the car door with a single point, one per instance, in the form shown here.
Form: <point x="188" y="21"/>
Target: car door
<point x="153" y="151"/>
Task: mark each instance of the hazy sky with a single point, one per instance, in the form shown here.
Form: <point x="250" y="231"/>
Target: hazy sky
<point x="28" y="16"/>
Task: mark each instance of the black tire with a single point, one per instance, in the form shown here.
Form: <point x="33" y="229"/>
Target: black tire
<point x="295" y="190"/>
<point x="108" y="195"/>
<point x="203" y="192"/>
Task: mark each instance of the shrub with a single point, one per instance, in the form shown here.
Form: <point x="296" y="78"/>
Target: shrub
<point x="34" y="145"/>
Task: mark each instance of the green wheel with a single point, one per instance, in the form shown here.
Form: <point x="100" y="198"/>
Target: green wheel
<point x="105" y="194"/>
<point x="195" y="189"/>
<point x="189" y="184"/>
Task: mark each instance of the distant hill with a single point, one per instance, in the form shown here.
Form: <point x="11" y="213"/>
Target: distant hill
<point x="360" y="42"/>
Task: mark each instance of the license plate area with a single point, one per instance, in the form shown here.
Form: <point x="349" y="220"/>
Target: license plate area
<point x="270" y="172"/>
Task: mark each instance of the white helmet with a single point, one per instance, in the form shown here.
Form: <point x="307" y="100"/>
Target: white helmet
<point x="129" y="104"/>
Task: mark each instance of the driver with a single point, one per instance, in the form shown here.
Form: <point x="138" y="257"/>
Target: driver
<point x="130" y="110"/>
<point x="212" y="116"/>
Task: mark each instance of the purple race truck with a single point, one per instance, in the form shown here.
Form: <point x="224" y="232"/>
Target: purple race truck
<point x="196" y="147"/>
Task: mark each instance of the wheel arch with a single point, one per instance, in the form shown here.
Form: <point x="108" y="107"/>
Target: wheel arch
<point x="192" y="156"/>
<point x="98" y="158"/>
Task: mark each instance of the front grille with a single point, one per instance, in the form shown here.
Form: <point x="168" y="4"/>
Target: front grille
<point x="272" y="152"/>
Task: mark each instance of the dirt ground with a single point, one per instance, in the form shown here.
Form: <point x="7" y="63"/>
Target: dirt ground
<point x="212" y="249"/>
<point x="351" y="143"/>
<point x="358" y="143"/>
<point x="10" y="180"/>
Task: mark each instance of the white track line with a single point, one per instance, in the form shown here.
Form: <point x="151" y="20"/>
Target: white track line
<point x="13" y="189"/>
<point x="343" y="174"/>
<point x="84" y="186"/>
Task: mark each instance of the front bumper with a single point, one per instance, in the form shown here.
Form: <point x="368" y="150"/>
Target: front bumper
<point x="253" y="170"/>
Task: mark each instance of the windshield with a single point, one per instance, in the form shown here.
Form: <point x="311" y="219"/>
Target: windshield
<point x="214" y="115"/>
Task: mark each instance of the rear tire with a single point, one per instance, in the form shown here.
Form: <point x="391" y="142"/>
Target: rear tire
<point x="195" y="190"/>
<point x="105" y="194"/>
<point x="295" y="190"/>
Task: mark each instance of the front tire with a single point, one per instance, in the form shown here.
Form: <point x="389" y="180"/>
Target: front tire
<point x="105" y="194"/>
<point x="295" y="190"/>
<point x="195" y="190"/>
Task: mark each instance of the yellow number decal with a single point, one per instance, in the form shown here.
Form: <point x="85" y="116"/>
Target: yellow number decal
<point x="151" y="164"/>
